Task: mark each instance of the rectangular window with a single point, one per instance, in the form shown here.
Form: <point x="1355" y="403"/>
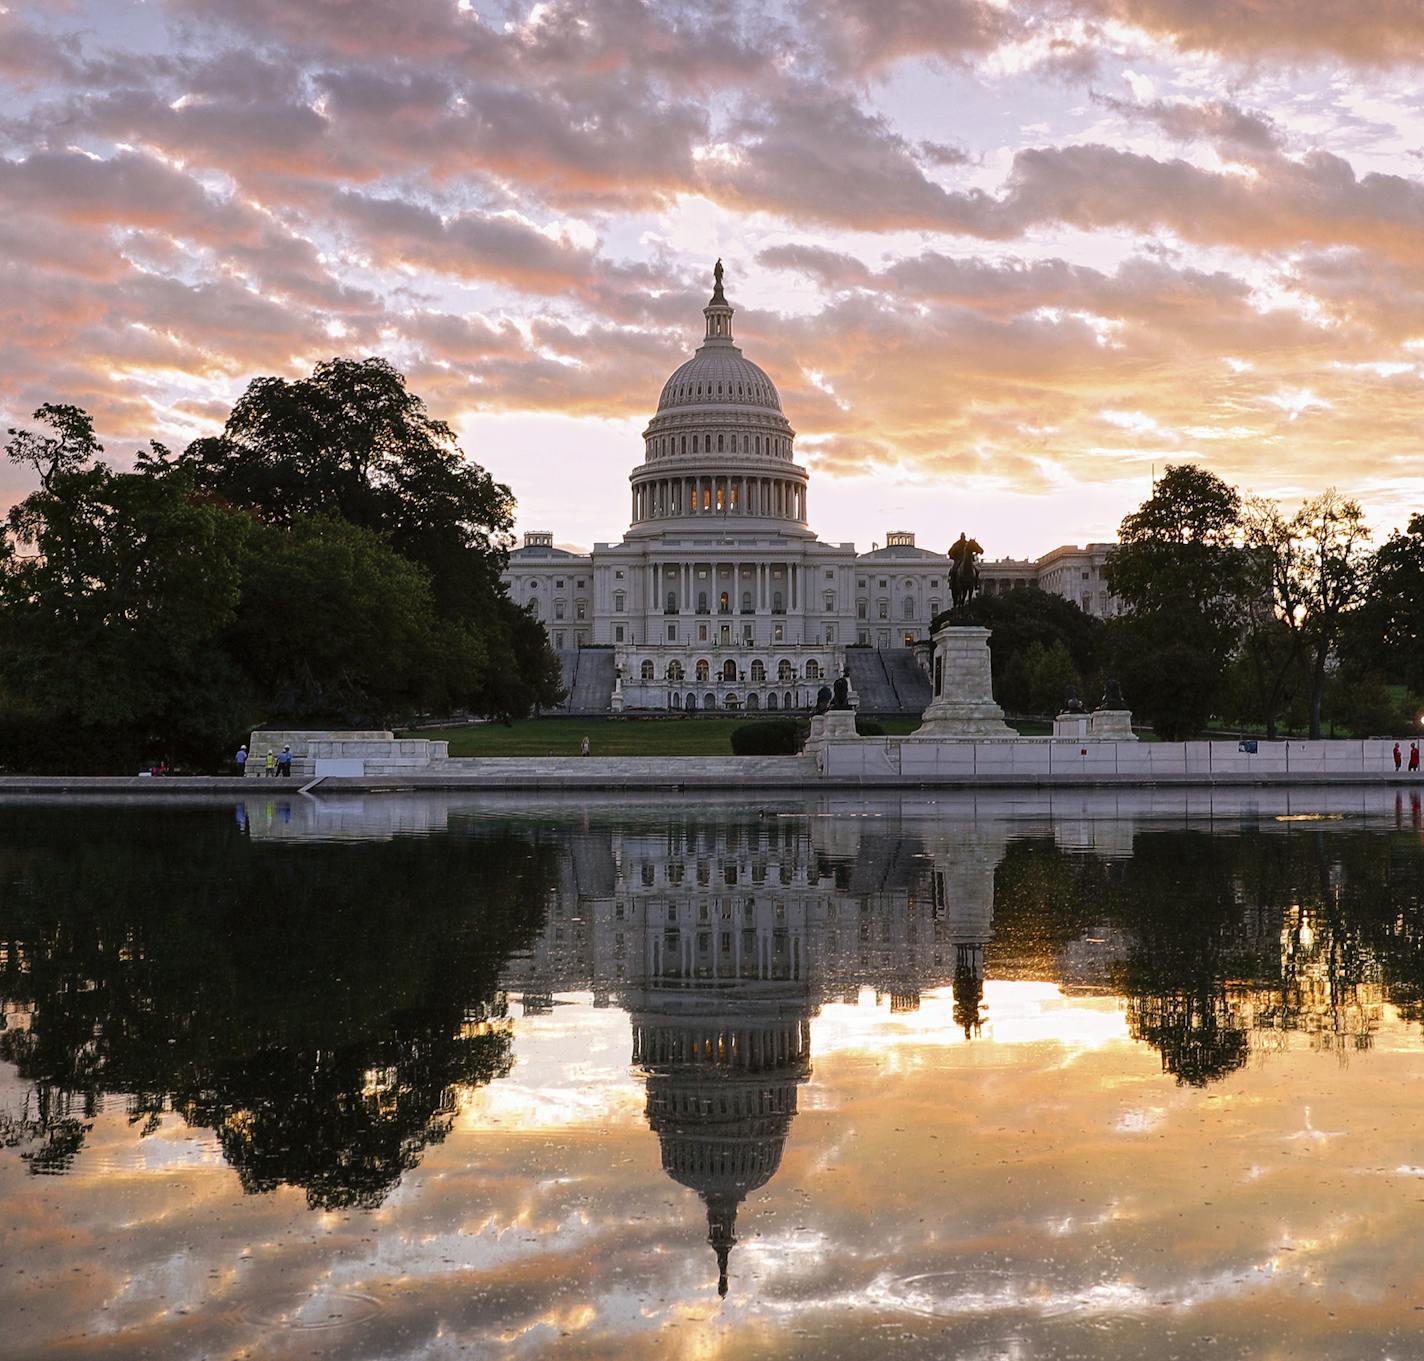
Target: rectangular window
<point x="702" y="633"/>
<point x="580" y="584"/>
<point x="883" y="583"/>
<point x="830" y="601"/>
<point x="863" y="637"/>
<point x="581" y="609"/>
<point x="672" y="633"/>
<point x="618" y="634"/>
<point x="830" y="576"/>
<point x="830" y="633"/>
<point x="884" y="610"/>
<point x="860" y="583"/>
<point x="862" y="609"/>
<point x="618" y="576"/>
<point x="559" y="584"/>
<point x="558" y="609"/>
<point x="778" y="633"/>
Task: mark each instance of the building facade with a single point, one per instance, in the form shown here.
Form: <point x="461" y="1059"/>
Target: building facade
<point x="720" y="596"/>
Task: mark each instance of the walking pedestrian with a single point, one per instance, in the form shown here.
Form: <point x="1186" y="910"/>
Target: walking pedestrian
<point x="1414" y="758"/>
<point x="284" y="763"/>
<point x="240" y="760"/>
<point x="583" y="747"/>
<point x="1398" y="756"/>
<point x="271" y="764"/>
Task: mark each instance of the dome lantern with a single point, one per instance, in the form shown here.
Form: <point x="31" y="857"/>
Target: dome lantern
<point x="718" y="311"/>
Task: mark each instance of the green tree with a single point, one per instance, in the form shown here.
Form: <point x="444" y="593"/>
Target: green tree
<point x="1386" y="633"/>
<point x="1317" y="562"/>
<point x="337" y="628"/>
<point x="1180" y="574"/>
<point x="353" y="441"/>
<point x="115" y="590"/>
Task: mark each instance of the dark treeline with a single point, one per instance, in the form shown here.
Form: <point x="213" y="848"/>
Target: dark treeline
<point x="317" y="1005"/>
<point x="1234" y="613"/>
<point x="330" y="560"/>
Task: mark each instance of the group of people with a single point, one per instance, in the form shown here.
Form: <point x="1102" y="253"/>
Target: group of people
<point x="274" y="764"/>
<point x="1413" y="757"/>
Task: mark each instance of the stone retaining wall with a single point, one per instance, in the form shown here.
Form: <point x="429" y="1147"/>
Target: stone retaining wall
<point x="894" y="759"/>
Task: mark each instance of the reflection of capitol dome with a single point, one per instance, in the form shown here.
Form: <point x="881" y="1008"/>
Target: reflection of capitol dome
<point x="722" y="1082"/>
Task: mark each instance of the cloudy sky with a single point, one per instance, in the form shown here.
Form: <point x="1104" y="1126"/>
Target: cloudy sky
<point x="1002" y="257"/>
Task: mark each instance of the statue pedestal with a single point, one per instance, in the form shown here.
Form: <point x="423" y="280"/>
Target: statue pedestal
<point x="1113" y="725"/>
<point x="963" y="703"/>
<point x="834" y="723"/>
<point x="1076" y="726"/>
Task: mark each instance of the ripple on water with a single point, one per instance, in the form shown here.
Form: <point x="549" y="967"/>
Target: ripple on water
<point x="323" y="1309"/>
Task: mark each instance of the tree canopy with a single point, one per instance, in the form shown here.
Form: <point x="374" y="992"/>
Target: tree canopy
<point x="330" y="559"/>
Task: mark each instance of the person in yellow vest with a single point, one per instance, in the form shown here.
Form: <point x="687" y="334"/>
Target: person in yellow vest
<point x="271" y="766"/>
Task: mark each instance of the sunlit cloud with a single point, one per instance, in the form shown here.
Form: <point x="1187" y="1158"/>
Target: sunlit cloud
<point x="989" y="247"/>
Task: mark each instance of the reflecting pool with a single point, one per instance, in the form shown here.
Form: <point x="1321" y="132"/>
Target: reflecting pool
<point x="1089" y="1075"/>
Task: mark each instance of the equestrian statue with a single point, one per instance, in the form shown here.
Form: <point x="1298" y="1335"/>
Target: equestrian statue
<point x="964" y="553"/>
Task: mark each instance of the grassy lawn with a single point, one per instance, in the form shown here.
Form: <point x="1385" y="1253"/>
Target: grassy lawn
<point x="610" y="736"/>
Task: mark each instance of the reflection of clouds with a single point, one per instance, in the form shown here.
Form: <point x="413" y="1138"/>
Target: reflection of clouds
<point x="1098" y="1209"/>
<point x="1016" y="1014"/>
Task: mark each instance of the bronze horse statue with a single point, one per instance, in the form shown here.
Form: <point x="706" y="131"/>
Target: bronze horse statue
<point x="964" y="575"/>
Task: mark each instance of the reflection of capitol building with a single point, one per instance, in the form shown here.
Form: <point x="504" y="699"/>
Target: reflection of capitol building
<point x="723" y="940"/>
<point x="720" y="596"/>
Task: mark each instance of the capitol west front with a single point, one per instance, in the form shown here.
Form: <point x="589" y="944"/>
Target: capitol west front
<point x="720" y="596"/>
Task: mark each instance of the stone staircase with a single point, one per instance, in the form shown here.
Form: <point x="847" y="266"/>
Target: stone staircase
<point x="887" y="681"/>
<point x="588" y="675"/>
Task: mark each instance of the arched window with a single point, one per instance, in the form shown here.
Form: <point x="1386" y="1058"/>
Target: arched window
<point x="731" y="702"/>
<point x="813" y="671"/>
<point x="759" y="671"/>
<point x="909" y="607"/>
<point x="684" y="444"/>
<point x="746" y="602"/>
<point x="777" y="607"/>
<point x="758" y="444"/>
<point x="786" y="700"/>
<point x="729" y="670"/>
<point x="704" y="669"/>
<point x="671" y="602"/>
<point x="691" y="701"/>
<point x="709" y="700"/>
<point x="753" y="702"/>
<point x="771" y="700"/>
<point x="674" y="671"/>
<point x="702" y="602"/>
<point x="534" y="606"/>
<point x="724" y="603"/>
<point x="784" y="671"/>
<point x="694" y="444"/>
<point x="720" y="449"/>
<point x="648" y="671"/>
<point x="676" y="700"/>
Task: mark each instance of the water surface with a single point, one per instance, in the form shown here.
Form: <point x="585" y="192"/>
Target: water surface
<point x="1111" y="1075"/>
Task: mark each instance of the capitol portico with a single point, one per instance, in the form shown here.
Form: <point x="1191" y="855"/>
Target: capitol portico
<point x="720" y="596"/>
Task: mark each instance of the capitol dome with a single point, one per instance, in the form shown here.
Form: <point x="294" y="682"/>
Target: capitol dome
<point x="719" y="444"/>
<point x="719" y="375"/>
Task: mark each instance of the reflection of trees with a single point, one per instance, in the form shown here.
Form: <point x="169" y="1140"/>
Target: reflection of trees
<point x="319" y="1006"/>
<point x="1189" y="942"/>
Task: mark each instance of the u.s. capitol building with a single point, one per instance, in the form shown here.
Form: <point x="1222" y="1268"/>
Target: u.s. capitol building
<point x="720" y="596"/>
